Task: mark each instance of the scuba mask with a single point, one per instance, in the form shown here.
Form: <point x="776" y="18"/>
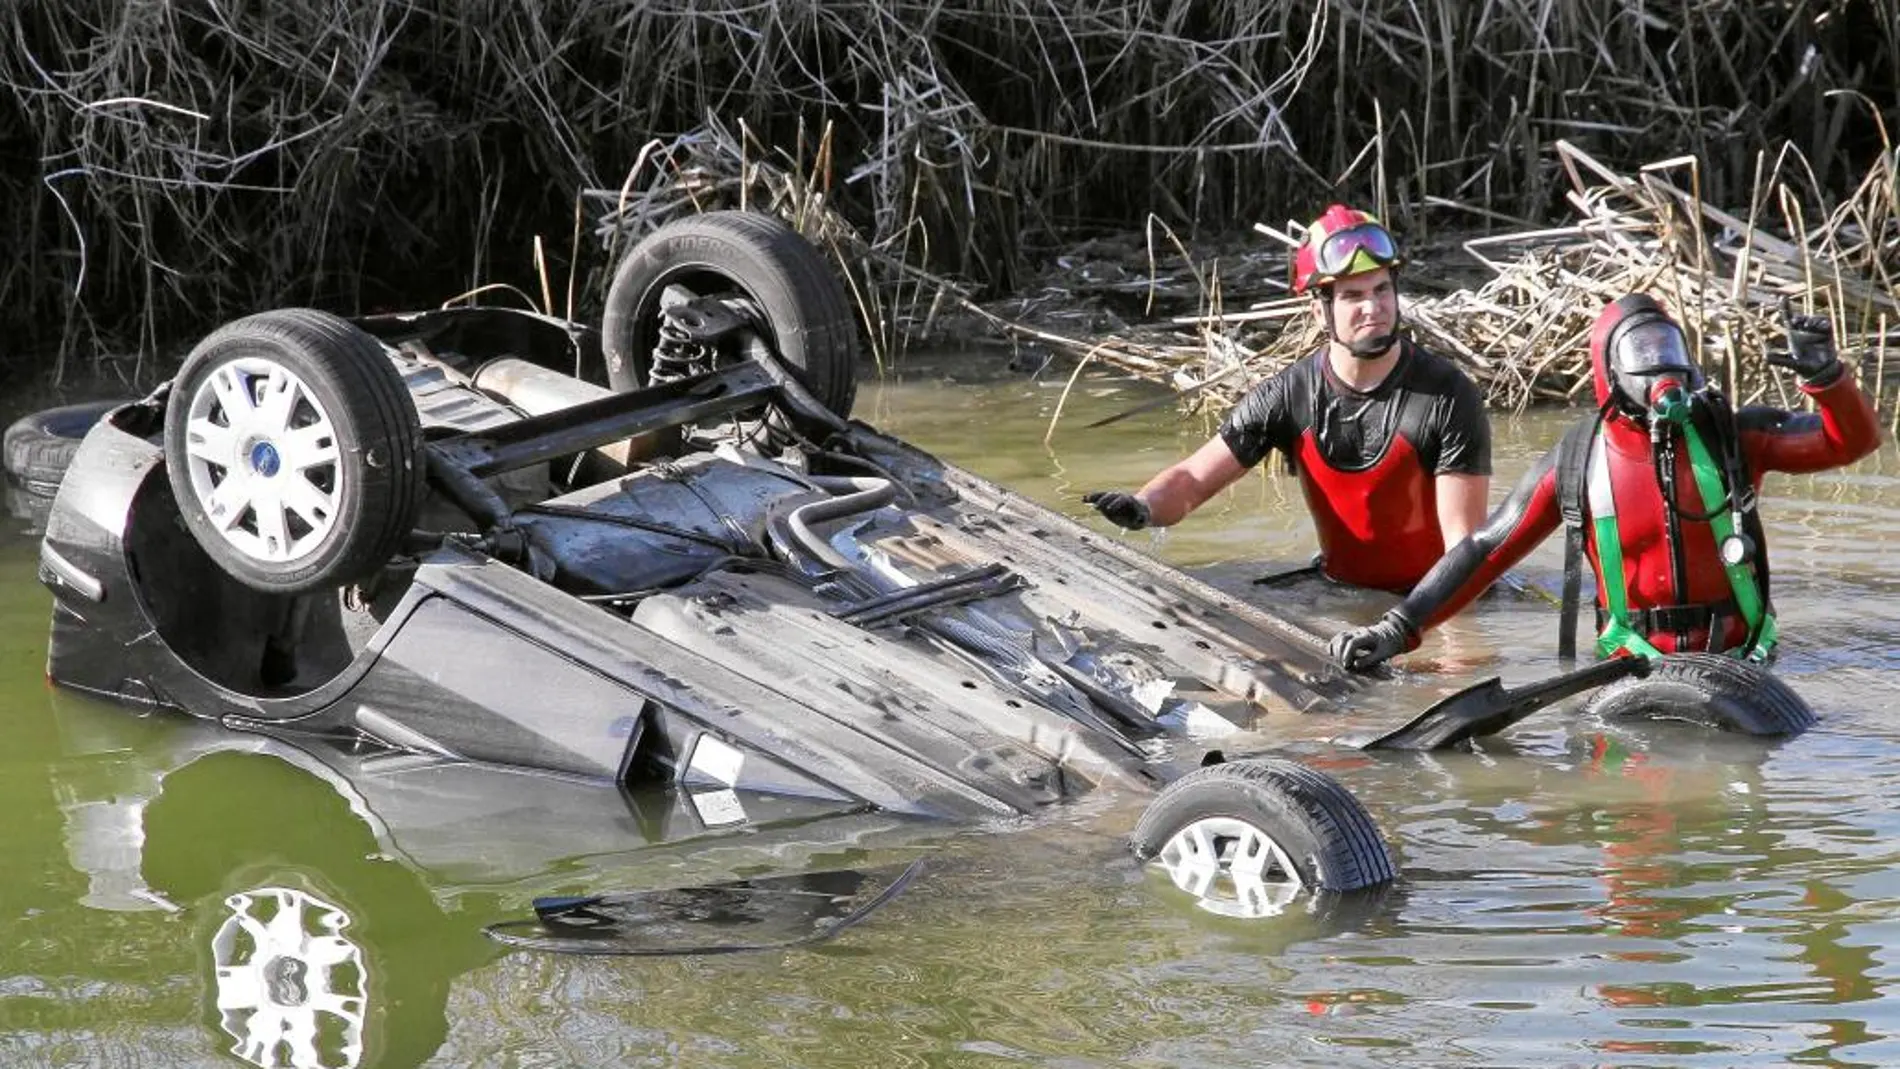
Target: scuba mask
<point x="1652" y="379"/>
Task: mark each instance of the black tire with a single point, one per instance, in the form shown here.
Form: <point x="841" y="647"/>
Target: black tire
<point x="39" y="447"/>
<point x="809" y="316"/>
<point x="1709" y="689"/>
<point x="1315" y="824"/>
<point x="370" y="482"/>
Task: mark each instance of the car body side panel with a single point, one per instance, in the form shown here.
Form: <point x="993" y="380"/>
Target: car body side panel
<point x="699" y="688"/>
<point x="893" y="690"/>
<point x="487" y="693"/>
<point x="111" y="528"/>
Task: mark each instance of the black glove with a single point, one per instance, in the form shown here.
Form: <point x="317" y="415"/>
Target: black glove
<point x="1810" y="353"/>
<point x="1363" y="648"/>
<point x="1120" y="509"/>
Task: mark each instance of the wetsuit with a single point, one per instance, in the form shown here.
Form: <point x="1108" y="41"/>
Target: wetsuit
<point x="1367" y="460"/>
<point x="1675" y="595"/>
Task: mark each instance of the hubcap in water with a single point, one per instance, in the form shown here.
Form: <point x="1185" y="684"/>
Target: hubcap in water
<point x="264" y="461"/>
<point x="1231" y="868"/>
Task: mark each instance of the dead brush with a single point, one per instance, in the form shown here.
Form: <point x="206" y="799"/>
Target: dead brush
<point x="1523" y="333"/>
<point x="175" y="165"/>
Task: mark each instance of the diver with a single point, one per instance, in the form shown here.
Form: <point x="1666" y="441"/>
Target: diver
<point x="1659" y="490"/>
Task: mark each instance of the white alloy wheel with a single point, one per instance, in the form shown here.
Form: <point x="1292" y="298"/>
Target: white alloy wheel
<point x="263" y="460"/>
<point x="294" y="451"/>
<point x="1231" y="867"/>
<point x="292" y="991"/>
<point x="1247" y="837"/>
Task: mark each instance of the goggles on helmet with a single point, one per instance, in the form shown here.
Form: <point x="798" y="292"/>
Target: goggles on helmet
<point x="1338" y="254"/>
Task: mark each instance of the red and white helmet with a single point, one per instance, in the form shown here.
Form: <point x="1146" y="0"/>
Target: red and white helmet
<point x="1342" y="242"/>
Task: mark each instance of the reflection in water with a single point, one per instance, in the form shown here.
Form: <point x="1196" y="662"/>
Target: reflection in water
<point x="1639" y="838"/>
<point x="299" y="901"/>
<point x="729" y="917"/>
<point x="1652" y="851"/>
<point x="292" y="989"/>
<point x="1666" y="872"/>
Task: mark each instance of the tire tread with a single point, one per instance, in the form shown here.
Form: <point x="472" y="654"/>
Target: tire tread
<point x="817" y="333"/>
<point x="38" y="447"/>
<point x="1709" y="688"/>
<point x="373" y="395"/>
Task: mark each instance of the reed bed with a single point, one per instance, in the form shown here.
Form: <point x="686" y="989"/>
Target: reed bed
<point x="1522" y="331"/>
<point x="173" y="165"/>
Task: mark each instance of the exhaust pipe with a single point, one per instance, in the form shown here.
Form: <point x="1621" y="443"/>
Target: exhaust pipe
<point x="536" y="390"/>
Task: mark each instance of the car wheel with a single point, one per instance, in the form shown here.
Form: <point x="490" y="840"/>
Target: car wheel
<point x="294" y="451"/>
<point x="1246" y="838"/>
<point x="1709" y="689"/>
<point x="39" y="447"/>
<point x="808" y="315"/>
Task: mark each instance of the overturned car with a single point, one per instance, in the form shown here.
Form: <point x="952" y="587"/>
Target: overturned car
<point x="660" y="557"/>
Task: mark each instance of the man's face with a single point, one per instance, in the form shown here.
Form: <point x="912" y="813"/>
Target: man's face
<point x="1365" y="307"/>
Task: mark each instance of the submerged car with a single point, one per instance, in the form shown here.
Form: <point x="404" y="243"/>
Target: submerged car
<point x="659" y="557"/>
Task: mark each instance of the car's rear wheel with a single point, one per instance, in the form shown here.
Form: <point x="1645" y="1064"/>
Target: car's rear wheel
<point x="1247" y="838"/>
<point x="807" y="315"/>
<point x="1710" y="689"/>
<point x="294" y="451"/>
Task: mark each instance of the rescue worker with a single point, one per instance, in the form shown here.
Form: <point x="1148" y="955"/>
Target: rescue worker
<point x="1390" y="441"/>
<point x="1659" y="490"/>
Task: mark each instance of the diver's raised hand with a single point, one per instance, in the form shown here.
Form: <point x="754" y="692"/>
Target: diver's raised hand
<point x="1810" y="352"/>
<point x="1119" y="508"/>
<point x="1360" y="649"/>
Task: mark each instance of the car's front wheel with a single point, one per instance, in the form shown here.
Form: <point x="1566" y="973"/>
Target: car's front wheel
<point x="1247" y="838"/>
<point x="294" y="451"/>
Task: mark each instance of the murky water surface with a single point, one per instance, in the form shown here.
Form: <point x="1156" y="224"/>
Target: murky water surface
<point x="1584" y="895"/>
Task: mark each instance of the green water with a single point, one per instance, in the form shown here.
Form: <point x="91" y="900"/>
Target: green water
<point x="1584" y="896"/>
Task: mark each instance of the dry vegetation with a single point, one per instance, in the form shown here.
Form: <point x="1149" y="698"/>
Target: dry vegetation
<point x="1523" y="332"/>
<point x="169" y="166"/>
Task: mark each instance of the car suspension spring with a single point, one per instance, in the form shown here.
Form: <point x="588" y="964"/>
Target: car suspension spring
<point x="677" y="355"/>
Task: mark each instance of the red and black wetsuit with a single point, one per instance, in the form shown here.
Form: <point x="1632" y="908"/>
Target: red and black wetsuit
<point x="1367" y="460"/>
<point x="1673" y="596"/>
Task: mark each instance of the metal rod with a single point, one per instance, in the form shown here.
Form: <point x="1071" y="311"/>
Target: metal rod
<point x="591" y="424"/>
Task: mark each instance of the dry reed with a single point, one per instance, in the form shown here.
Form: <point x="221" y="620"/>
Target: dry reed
<point x="173" y="165"/>
<point x="1523" y="332"/>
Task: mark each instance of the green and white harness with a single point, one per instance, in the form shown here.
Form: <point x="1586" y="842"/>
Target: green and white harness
<point x="1744" y="580"/>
